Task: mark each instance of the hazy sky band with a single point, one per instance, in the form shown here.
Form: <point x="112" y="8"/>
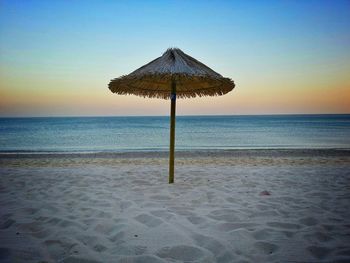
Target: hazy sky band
<point x="57" y="57"/>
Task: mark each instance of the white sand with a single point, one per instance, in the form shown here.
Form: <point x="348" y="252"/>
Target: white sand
<point x="64" y="209"/>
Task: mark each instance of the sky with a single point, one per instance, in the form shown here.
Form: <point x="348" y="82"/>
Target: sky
<point x="286" y="57"/>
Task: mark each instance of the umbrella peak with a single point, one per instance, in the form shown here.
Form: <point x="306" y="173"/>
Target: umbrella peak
<point x="154" y="79"/>
<point x="176" y="62"/>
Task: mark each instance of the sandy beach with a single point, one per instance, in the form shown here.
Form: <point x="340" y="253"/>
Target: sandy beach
<point x="225" y="206"/>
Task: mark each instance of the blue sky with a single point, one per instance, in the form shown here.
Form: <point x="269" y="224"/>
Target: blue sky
<point x="78" y="46"/>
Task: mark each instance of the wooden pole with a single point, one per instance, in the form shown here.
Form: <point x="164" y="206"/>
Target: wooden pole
<point x="172" y="132"/>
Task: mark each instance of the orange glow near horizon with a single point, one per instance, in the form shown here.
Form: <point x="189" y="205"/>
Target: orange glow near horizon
<point x="244" y="99"/>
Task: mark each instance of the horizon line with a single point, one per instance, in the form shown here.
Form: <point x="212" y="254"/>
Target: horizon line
<point x="182" y="115"/>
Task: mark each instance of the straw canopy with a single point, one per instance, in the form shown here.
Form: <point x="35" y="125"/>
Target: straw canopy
<point x="155" y="79"/>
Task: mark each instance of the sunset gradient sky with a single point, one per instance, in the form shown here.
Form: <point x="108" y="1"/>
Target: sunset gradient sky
<point x="57" y="57"/>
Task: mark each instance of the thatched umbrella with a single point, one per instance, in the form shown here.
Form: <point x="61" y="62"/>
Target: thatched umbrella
<point x="172" y="75"/>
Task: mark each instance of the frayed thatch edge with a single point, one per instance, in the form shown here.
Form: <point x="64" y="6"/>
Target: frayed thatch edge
<point x="195" y="85"/>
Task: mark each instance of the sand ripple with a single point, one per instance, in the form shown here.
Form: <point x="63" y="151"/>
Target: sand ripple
<point x="122" y="210"/>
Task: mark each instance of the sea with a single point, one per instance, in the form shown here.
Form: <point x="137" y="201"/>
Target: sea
<point x="123" y="134"/>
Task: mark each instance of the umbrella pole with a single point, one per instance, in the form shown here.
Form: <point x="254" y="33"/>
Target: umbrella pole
<point x="172" y="132"/>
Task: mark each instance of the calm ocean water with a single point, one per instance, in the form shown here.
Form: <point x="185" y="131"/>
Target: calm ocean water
<point x="95" y="134"/>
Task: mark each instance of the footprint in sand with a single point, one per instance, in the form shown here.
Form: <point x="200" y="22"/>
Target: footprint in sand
<point x="104" y="228"/>
<point x="31" y="227"/>
<point x="7" y="223"/>
<point x="195" y="220"/>
<point x="141" y="259"/>
<point x="42" y="234"/>
<point x="265" y="247"/>
<point x="29" y="210"/>
<point x="78" y="259"/>
<point x="69" y="223"/>
<point x="100" y="248"/>
<point x="214" y="246"/>
<point x="272" y="234"/>
<point x="262" y="234"/>
<point x="162" y="214"/>
<point x="125" y="205"/>
<point x="227" y="215"/>
<point x="284" y="225"/>
<point x="322" y="237"/>
<point x="308" y="221"/>
<point x="125" y="250"/>
<point x="118" y="238"/>
<point x="87" y="240"/>
<point x="57" y="249"/>
<point x="183" y="253"/>
<point x="148" y="220"/>
<point x="227" y="227"/>
<point x="318" y="252"/>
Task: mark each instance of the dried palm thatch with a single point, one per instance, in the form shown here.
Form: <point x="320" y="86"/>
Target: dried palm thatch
<point x="155" y="79"/>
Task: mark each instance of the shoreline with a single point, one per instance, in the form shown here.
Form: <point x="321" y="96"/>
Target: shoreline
<point x="283" y="152"/>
